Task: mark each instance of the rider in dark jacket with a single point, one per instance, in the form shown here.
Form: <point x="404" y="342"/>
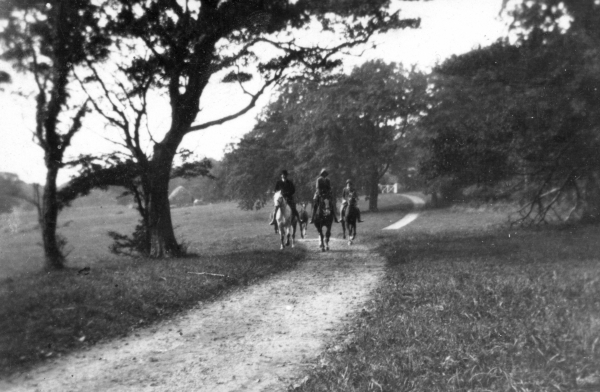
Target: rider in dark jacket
<point x="347" y="194"/>
<point x="323" y="190"/>
<point x="286" y="186"/>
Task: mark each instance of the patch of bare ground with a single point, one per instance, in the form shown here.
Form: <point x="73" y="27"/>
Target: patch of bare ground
<point x="257" y="338"/>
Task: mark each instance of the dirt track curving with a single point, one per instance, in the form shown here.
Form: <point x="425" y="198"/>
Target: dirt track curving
<point x="259" y="338"/>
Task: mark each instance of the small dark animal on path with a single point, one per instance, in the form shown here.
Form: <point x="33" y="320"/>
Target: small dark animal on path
<point x="303" y="220"/>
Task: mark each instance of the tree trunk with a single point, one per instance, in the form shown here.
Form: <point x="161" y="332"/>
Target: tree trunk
<point x="162" y="235"/>
<point x="54" y="258"/>
<point x="373" y="190"/>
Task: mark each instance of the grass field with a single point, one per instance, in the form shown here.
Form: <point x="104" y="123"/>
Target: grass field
<point x="47" y="315"/>
<point x="466" y="304"/>
<point x="471" y="305"/>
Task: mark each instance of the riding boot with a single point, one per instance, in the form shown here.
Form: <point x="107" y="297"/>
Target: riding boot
<point x="314" y="212"/>
<point x="274" y="216"/>
<point x="358" y="216"/>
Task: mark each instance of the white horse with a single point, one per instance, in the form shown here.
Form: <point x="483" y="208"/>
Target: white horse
<point x="286" y="222"/>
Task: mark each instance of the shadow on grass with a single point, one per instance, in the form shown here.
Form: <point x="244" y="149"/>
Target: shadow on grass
<point x="46" y="315"/>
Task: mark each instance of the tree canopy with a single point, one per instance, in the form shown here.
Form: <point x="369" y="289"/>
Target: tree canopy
<point x="524" y="116"/>
<point x="180" y="46"/>
<point x="48" y="40"/>
<point x="358" y="127"/>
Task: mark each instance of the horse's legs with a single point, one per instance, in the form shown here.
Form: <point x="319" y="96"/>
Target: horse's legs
<point x="321" y="245"/>
<point x="344" y="228"/>
<point x="351" y="232"/>
<point x="293" y="233"/>
<point x="281" y="236"/>
<point x="327" y="235"/>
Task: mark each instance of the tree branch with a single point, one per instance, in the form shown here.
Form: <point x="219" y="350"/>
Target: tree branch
<point x="250" y="105"/>
<point x="76" y="126"/>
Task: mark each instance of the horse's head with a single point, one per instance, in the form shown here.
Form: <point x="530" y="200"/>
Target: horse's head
<point x="303" y="206"/>
<point x="352" y="200"/>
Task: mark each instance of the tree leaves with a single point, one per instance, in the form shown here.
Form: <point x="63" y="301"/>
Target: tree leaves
<point x="525" y="114"/>
<point x="356" y="126"/>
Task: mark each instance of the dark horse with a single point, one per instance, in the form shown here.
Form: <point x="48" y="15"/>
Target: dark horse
<point x="324" y="219"/>
<point x="303" y="220"/>
<point x="349" y="220"/>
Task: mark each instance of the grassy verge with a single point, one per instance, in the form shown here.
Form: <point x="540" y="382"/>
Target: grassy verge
<point x="48" y="315"/>
<point x="43" y="315"/>
<point x="467" y="305"/>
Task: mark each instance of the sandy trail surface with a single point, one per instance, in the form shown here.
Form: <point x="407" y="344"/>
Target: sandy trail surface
<point x="256" y="338"/>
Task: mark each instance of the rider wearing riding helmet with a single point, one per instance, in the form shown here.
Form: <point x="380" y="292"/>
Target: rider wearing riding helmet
<point x="286" y="186"/>
<point x="323" y="190"/>
<point x="347" y="194"/>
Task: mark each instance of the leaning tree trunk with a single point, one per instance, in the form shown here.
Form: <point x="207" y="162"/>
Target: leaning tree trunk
<point x="162" y="235"/>
<point x="54" y="258"/>
<point x="373" y="190"/>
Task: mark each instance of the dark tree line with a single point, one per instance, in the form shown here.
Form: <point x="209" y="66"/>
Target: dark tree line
<point x="523" y="119"/>
<point x="358" y="126"/>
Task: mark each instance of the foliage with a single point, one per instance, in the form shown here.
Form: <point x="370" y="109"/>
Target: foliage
<point x="357" y="127"/>
<point x="100" y="172"/>
<point x="180" y="48"/>
<point x="206" y="189"/>
<point x="523" y="118"/>
<point x="48" y="40"/>
<point x="134" y="245"/>
<point x="11" y="192"/>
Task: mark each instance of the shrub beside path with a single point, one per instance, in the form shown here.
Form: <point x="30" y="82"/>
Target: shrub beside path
<point x="256" y="338"/>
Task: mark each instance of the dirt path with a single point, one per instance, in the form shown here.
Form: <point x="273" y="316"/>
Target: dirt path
<point x="259" y="338"/>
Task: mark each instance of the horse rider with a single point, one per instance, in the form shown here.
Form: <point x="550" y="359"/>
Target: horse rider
<point x="286" y="186"/>
<point x="348" y="193"/>
<point x="324" y="191"/>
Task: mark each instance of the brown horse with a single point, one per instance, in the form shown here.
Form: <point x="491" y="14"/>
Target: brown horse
<point x="349" y="219"/>
<point x="324" y="220"/>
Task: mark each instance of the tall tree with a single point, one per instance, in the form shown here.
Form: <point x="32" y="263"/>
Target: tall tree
<point x="362" y="124"/>
<point x="358" y="127"/>
<point x="526" y="113"/>
<point x="48" y="39"/>
<point x="467" y="126"/>
<point x="193" y="41"/>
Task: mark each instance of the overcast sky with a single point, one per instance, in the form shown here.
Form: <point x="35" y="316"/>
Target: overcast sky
<point x="448" y="27"/>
